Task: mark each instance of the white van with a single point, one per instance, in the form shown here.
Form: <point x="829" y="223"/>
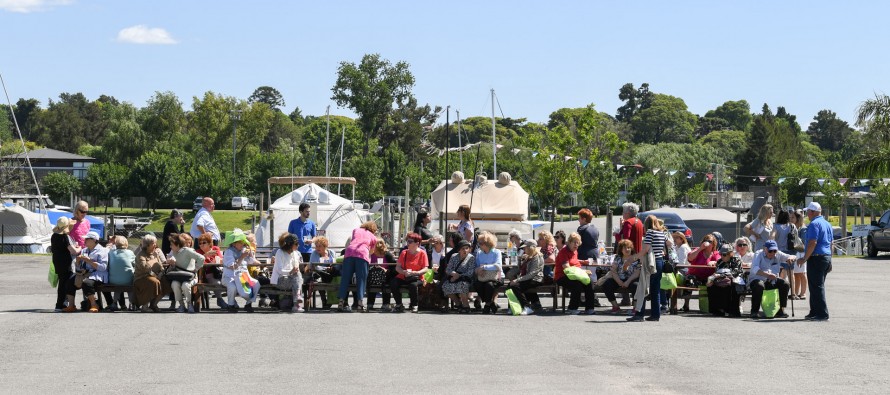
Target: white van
<point x="243" y="203"/>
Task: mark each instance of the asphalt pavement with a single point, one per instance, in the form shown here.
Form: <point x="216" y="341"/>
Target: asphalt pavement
<point x="213" y="352"/>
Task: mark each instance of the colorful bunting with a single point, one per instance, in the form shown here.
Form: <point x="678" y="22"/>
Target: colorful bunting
<point x="842" y="181"/>
<point x="672" y="172"/>
<point x="584" y="162"/>
<point x="618" y="167"/>
<point x="802" y="180"/>
<point x="690" y="174"/>
<point x="710" y="176"/>
<point x="655" y="171"/>
<point x="515" y="151"/>
<point x="781" y="180"/>
<point x="762" y="178"/>
<point x="534" y="154"/>
<point x="821" y="181"/>
<point x="552" y="156"/>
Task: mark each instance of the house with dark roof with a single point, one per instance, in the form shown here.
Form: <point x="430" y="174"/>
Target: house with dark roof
<point x="48" y="160"/>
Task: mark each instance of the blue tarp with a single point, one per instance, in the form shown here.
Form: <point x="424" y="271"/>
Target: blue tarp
<point x="96" y="224"/>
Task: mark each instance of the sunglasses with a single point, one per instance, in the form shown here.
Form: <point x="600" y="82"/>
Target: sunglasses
<point x="83" y="211"/>
<point x="772" y="251"/>
<point x="741" y="245"/>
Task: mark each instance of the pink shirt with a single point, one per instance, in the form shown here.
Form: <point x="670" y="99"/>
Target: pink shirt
<point x="79" y="231"/>
<point x="362" y="243"/>
<point x="702" y="260"/>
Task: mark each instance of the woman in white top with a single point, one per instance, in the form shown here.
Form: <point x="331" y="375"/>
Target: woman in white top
<point x="800" y="270"/>
<point x="743" y="251"/>
<point x="183" y="258"/>
<point x="437" y="251"/>
<point x="761" y="228"/>
<point x="236" y="258"/>
<point x="286" y="272"/>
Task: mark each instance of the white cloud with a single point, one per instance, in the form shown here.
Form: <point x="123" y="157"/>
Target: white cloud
<point x="141" y="34"/>
<point x="26" y="6"/>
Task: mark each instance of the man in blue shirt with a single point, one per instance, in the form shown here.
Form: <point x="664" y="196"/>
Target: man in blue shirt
<point x="818" y="258"/>
<point x="766" y="274"/>
<point x="304" y="228"/>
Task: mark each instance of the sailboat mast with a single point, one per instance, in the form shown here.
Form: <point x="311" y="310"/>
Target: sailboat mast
<point x="340" y="173"/>
<point x="459" y="142"/>
<point x="327" y="143"/>
<point x="494" y="144"/>
<point x="22" y="140"/>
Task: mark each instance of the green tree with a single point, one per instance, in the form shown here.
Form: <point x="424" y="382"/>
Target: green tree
<point x="162" y="118"/>
<point x="833" y="197"/>
<point x="647" y="188"/>
<point x="158" y="177"/>
<point x="268" y="95"/>
<point x="71" y="122"/>
<point x="371" y="88"/>
<point x="407" y="125"/>
<point x="314" y="142"/>
<point x="773" y="141"/>
<point x="59" y="185"/>
<point x="125" y="141"/>
<point x="737" y="114"/>
<point x="105" y="181"/>
<point x="828" y="131"/>
<point x="634" y="101"/>
<point x="728" y="145"/>
<point x="873" y="116"/>
<point x="6" y="126"/>
<point x="26" y="110"/>
<point x="794" y="172"/>
<point x="666" y="120"/>
<point x="366" y="170"/>
<point x="394" y="171"/>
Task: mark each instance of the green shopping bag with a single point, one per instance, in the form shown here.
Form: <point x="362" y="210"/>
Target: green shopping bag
<point x="681" y="279"/>
<point x="513" y="302"/>
<point x="577" y="274"/>
<point x="668" y="281"/>
<point x="428" y="276"/>
<point x="703" y="305"/>
<point x="769" y="302"/>
<point x="331" y="298"/>
<point x="52" y="277"/>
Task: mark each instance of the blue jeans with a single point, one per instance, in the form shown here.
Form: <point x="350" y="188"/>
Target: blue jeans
<point x="359" y="267"/>
<point x="817" y="269"/>
<point x="655" y="295"/>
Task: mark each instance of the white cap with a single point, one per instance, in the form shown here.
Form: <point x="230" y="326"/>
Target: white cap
<point x="92" y="235"/>
<point x="813" y="206"/>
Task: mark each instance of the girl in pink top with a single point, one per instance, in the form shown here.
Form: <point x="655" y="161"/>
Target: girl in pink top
<point x="356" y="259"/>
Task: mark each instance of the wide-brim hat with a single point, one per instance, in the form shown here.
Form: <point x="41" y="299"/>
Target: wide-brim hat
<point x="463" y="243"/>
<point x="236" y="235"/>
<point x="62" y="225"/>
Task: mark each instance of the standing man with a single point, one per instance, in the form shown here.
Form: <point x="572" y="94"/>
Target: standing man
<point x="631" y="226"/>
<point x="80" y="225"/>
<point x="204" y="221"/>
<point x="820" y="235"/>
<point x="304" y="228"/>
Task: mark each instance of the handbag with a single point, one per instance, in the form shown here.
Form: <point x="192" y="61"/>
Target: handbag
<point x="52" y="277"/>
<point x="487" y="275"/>
<point x="795" y="241"/>
<point x="175" y="273"/>
<point x="377" y="276"/>
<point x="78" y="279"/>
<point x="668" y="281"/>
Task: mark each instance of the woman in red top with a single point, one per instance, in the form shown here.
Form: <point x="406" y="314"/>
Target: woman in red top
<point x="411" y="267"/>
<point x="567" y="257"/>
<point x="705" y="255"/>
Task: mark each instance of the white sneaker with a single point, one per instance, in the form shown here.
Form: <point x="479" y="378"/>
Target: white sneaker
<point x="297" y="309"/>
<point x="414" y="309"/>
<point x="526" y="311"/>
<point x="573" y="312"/>
<point x="180" y="309"/>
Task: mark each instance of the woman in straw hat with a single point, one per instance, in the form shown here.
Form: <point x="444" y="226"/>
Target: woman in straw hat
<point x="64" y="249"/>
<point x="235" y="261"/>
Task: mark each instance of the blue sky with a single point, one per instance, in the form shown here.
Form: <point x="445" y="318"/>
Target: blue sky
<point x="538" y="56"/>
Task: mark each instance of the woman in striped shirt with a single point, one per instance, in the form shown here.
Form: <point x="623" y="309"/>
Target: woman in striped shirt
<point x="656" y="240"/>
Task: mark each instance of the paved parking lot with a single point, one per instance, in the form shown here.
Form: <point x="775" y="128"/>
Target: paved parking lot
<point x="48" y="352"/>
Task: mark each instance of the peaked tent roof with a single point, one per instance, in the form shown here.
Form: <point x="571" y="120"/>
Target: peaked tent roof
<point x="49" y="153"/>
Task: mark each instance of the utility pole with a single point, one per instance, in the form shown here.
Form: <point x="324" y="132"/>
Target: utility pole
<point x="236" y="115"/>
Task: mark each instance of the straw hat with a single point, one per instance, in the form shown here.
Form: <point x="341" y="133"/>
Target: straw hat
<point x="62" y="225"/>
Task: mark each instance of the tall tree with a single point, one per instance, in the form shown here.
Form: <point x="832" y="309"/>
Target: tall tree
<point x="407" y="125"/>
<point x="873" y="116"/>
<point x="828" y="131"/>
<point x="774" y="139"/>
<point x="371" y="88"/>
<point x="634" y="100"/>
<point x="736" y="113"/>
<point x="667" y="119"/>
<point x="269" y="95"/>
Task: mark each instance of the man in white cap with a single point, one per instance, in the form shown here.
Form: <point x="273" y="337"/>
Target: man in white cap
<point x="820" y="235"/>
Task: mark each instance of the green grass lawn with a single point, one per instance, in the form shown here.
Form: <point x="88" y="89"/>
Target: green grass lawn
<point x="226" y="220"/>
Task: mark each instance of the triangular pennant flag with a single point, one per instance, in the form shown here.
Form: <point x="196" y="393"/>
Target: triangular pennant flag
<point x="886" y="181"/>
<point x="655" y="171"/>
<point x="515" y="151"/>
<point x="821" y="181"/>
<point x="498" y="146"/>
<point x="534" y="154"/>
<point x="781" y="180"/>
<point x="754" y="179"/>
<point x="842" y="180"/>
<point x="672" y="172"/>
<point x="568" y="158"/>
<point x="863" y="181"/>
<point x="802" y="180"/>
<point x="602" y="162"/>
<point x="710" y="176"/>
<point x="552" y="156"/>
<point x="762" y="178"/>
<point x="584" y="162"/>
<point x="618" y="167"/>
<point x="690" y="174"/>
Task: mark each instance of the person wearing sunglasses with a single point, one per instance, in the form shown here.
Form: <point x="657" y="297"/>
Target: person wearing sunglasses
<point x="80" y="225"/>
<point x="766" y="274"/>
<point x="411" y="267"/>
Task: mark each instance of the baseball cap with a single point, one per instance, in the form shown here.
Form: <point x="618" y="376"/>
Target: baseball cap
<point x="726" y="249"/>
<point x="528" y="244"/>
<point x="92" y="235"/>
<point x="813" y="206"/>
<point x="771" y="245"/>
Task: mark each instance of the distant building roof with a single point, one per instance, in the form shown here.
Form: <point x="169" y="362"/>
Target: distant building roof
<point x="49" y="153"/>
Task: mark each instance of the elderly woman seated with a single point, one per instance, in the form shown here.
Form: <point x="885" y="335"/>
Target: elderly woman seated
<point x="723" y="299"/>
<point x="236" y="278"/>
<point x="459" y="275"/>
<point x="624" y="273"/>
<point x="184" y="264"/>
<point x="147" y="274"/>
<point x="528" y="276"/>
<point x="489" y="272"/>
<point x="411" y="267"/>
<point x="568" y="257"/>
<point x="92" y="268"/>
<point x="120" y="270"/>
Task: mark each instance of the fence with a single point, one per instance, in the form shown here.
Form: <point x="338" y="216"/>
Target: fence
<point x="12" y="237"/>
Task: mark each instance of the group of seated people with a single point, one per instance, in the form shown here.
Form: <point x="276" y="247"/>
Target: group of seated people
<point x="467" y="273"/>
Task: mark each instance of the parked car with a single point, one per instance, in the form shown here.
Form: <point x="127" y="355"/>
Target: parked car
<point x="691" y="205"/>
<point x="243" y="203"/>
<point x="199" y="202"/>
<point x="672" y="221"/>
<point x="879" y="237"/>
